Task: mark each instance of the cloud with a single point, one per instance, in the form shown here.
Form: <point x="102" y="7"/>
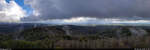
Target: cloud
<point x="90" y="21"/>
<point x="60" y="9"/>
<point x="10" y="12"/>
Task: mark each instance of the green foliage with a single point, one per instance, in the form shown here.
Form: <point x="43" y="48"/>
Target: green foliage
<point x="17" y="44"/>
<point x="4" y="37"/>
<point x="26" y="44"/>
<point x="67" y="37"/>
<point x="51" y="38"/>
<point x="126" y="32"/>
<point x="127" y="42"/>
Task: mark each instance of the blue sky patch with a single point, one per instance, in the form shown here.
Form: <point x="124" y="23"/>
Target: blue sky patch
<point x="25" y="7"/>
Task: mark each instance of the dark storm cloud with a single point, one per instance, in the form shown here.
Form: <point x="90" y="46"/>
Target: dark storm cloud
<point x="52" y="9"/>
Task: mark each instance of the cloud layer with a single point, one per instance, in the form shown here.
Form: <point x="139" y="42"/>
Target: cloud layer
<point x="10" y="12"/>
<point x="58" y="9"/>
<point x="92" y="21"/>
<point x="78" y="11"/>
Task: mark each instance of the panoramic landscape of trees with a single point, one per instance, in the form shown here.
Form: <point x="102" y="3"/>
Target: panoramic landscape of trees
<point x="53" y="37"/>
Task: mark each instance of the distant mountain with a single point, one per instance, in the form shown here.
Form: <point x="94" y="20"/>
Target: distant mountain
<point x="17" y="27"/>
<point x="71" y="30"/>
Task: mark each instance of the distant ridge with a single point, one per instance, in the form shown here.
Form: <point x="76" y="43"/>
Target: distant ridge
<point x="13" y="27"/>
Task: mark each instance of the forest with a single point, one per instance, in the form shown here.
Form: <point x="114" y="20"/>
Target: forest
<point x="55" y="37"/>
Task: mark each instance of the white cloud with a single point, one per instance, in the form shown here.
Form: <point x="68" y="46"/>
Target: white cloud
<point x="10" y="12"/>
<point x="90" y="21"/>
<point x="132" y="21"/>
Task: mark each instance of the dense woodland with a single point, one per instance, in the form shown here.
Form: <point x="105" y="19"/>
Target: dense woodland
<point x="53" y="37"/>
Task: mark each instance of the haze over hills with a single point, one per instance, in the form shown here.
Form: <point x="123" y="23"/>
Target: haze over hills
<point x="75" y="29"/>
<point x="44" y="35"/>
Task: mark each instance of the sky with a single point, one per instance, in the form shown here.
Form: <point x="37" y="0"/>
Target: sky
<point x="24" y="6"/>
<point x="75" y="11"/>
